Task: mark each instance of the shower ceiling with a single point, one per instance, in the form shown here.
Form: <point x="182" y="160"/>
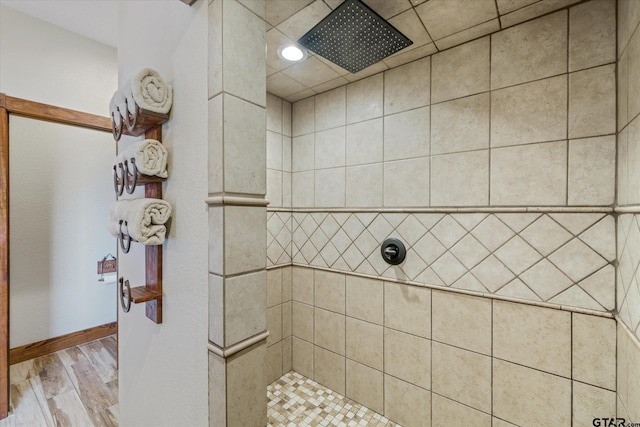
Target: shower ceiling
<point x="432" y="25"/>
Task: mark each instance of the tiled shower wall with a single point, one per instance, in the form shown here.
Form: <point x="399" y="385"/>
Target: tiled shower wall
<point x="628" y="287"/>
<point x="495" y="162"/>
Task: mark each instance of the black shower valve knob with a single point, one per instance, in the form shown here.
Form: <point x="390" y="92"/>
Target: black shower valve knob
<point x="393" y="251"/>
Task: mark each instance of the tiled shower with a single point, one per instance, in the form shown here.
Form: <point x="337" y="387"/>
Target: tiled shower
<point x="508" y="166"/>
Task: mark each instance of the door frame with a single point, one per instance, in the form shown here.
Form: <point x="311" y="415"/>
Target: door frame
<point x="38" y="111"/>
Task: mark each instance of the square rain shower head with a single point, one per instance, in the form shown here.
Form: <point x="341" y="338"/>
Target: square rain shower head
<point x="354" y="37"/>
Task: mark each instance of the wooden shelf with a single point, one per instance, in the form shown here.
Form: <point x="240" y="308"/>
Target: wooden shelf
<point x="144" y="180"/>
<point x="141" y="294"/>
<point x="146" y="120"/>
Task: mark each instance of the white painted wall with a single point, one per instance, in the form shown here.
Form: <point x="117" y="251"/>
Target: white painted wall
<point x="60" y="180"/>
<point x="44" y="63"/>
<point x="163" y="368"/>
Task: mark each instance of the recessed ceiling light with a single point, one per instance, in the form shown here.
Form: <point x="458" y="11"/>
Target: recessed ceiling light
<point x="292" y="53"/>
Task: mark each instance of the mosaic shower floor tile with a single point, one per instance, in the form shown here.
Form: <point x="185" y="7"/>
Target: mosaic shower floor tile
<point x="297" y="401"/>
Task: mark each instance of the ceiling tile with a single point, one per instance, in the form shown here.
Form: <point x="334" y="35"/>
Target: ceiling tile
<point x="333" y="3"/>
<point x="279" y="10"/>
<point x="386" y="8"/>
<point x="445" y="17"/>
<point x="369" y="71"/>
<point x="311" y="72"/>
<point x="468" y="34"/>
<point x="275" y="39"/>
<point x="506" y="6"/>
<point x="533" y="11"/>
<point x="331" y="84"/>
<point x="270" y="71"/>
<point x="297" y="25"/>
<point x="282" y="85"/>
<point x="335" y="67"/>
<point x="417" y="2"/>
<point x="409" y="24"/>
<point x="401" y="58"/>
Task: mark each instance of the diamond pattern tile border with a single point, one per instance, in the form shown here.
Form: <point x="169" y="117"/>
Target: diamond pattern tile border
<point x="558" y="258"/>
<point x="628" y="282"/>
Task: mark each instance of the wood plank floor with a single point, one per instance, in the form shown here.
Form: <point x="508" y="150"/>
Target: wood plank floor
<point x="76" y="387"/>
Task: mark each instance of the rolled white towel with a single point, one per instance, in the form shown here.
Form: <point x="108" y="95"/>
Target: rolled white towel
<point x="150" y="91"/>
<point x="145" y="219"/>
<point x="113" y="110"/>
<point x="150" y="156"/>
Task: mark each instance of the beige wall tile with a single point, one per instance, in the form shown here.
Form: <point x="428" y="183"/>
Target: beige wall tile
<point x="364" y="99"/>
<point x="407" y="309"/>
<point x="405" y="403"/>
<point x="592" y="102"/>
<point x="592" y="171"/>
<point x="530" y="51"/>
<point x="364" y="142"/>
<point x="526" y="396"/>
<point x="364" y="185"/>
<point x="365" y="385"/>
<point x="460" y="179"/>
<point x="311" y="72"/>
<point x="517" y="176"/>
<point x="274" y="287"/>
<point x="329" y="330"/>
<point x="497" y="422"/>
<point x="463" y="376"/>
<point x="533" y="336"/>
<point x="407" y="87"/>
<point x="274" y="188"/>
<point x="506" y="6"/>
<point x="330" y="148"/>
<point x="594" y="350"/>
<point x="448" y="412"/>
<point x="303" y="321"/>
<point x="633" y="160"/>
<point x="303" y="283"/>
<point x="286" y="153"/>
<point x="302" y="357"/>
<point x="217" y="390"/>
<point x="406" y="183"/>
<point x="330" y="291"/>
<point x="274" y="113"/>
<point x="330" y="369"/>
<point x="532" y="112"/>
<point x="303" y="117"/>
<point x="461" y="71"/>
<point x="330" y="109"/>
<point x="274" y="324"/>
<point x="274" y="362"/>
<point x="244" y="152"/>
<point x="286" y="118"/>
<point x="591" y="402"/>
<point x="364" y="343"/>
<point x="246" y="378"/>
<point x="622" y="169"/>
<point x="245" y="302"/>
<point x="287" y="354"/>
<point x="243" y="50"/>
<point x="442" y="17"/>
<point x="274" y="150"/>
<point x="302" y="189"/>
<point x="244" y="239"/>
<point x="592" y="34"/>
<point x="462" y="320"/>
<point x="407" y="357"/>
<point x="286" y="189"/>
<point x="406" y="134"/>
<point x="287" y="283"/>
<point x="215" y="121"/>
<point x="622" y="80"/>
<point x="633" y="52"/>
<point x="287" y="319"/>
<point x="330" y="187"/>
<point x="216" y="310"/>
<point x="302" y="153"/>
<point x="460" y="125"/>
<point x="365" y="299"/>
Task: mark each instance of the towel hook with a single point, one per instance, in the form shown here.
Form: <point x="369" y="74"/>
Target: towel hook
<point x="125" y="302"/>
<point x="116" y="130"/>
<point x="118" y="188"/>
<point x="122" y="237"/>
<point x="132" y="118"/>
<point x="131" y="178"/>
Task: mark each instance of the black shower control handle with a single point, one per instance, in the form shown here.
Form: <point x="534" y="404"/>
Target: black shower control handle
<point x="393" y="251"/>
